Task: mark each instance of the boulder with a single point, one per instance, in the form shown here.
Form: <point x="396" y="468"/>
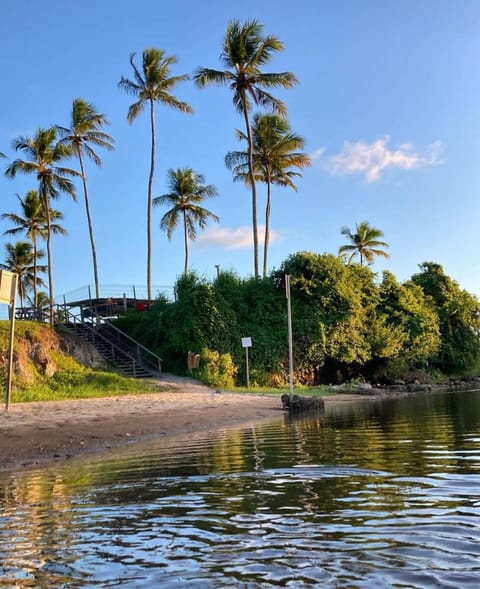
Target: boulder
<point x="298" y="404"/>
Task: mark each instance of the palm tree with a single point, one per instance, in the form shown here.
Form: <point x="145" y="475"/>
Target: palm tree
<point x="364" y="243"/>
<point x="34" y="224"/>
<point x="275" y="153"/>
<point x="187" y="190"/>
<point x="21" y="260"/>
<point x="245" y="50"/>
<point x="152" y="84"/>
<point x="44" y="154"/>
<point x="85" y="131"/>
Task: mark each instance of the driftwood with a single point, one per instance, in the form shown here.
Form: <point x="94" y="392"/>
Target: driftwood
<point x="298" y="404"/>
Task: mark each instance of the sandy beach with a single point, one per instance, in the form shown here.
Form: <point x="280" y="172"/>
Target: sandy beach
<point x="34" y="433"/>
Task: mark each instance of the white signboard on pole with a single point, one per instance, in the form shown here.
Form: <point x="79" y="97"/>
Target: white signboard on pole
<point x="247" y="343"/>
<point x="7" y="287"/>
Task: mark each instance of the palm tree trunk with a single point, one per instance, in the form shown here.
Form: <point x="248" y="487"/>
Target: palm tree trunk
<point x="46" y="205"/>
<point x="149" y="205"/>
<point x="34" y="245"/>
<point x="185" y="234"/>
<point x="252" y="183"/>
<point x="90" y="226"/>
<point x="267" y="227"/>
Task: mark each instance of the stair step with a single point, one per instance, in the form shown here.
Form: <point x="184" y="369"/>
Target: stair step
<point x="120" y="356"/>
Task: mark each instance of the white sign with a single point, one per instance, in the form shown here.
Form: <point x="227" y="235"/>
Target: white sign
<point x="246" y="342"/>
<point x="7" y="287"/>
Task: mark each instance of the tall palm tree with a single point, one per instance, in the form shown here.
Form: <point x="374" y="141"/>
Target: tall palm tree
<point x="84" y="132"/>
<point x="275" y="153"/>
<point x="245" y="50"/>
<point x="187" y="191"/>
<point x="44" y="154"/>
<point x="152" y="83"/>
<point x="20" y="259"/>
<point x="364" y="243"/>
<point x="33" y="222"/>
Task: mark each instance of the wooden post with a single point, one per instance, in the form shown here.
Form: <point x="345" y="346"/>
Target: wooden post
<point x="13" y="297"/>
<point x="290" y="343"/>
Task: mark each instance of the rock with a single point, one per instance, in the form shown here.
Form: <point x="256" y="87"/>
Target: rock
<point x="299" y="404"/>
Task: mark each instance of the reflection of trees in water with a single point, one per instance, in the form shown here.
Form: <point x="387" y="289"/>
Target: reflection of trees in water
<point x="301" y="468"/>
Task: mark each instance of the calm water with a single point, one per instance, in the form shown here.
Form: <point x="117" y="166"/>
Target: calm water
<point x="384" y="494"/>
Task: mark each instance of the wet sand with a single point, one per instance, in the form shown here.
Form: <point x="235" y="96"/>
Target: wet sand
<point x="38" y="432"/>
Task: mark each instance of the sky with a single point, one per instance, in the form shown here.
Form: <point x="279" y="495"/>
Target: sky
<point x="388" y="102"/>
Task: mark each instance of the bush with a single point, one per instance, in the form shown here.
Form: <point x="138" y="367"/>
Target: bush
<point x="216" y="369"/>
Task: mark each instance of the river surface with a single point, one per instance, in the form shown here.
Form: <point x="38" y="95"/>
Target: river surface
<point x="375" y="494"/>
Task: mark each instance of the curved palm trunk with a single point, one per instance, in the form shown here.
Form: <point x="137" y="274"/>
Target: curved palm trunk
<point x="254" y="188"/>
<point x="21" y="292"/>
<point x="149" y="204"/>
<point x="185" y="234"/>
<point x="90" y="226"/>
<point x="34" y="245"/>
<point x="267" y="227"/>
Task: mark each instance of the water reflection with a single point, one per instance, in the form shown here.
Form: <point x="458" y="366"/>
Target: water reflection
<point x="381" y="494"/>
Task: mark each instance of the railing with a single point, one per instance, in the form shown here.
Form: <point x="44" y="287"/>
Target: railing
<point x="143" y="354"/>
<point x="118" y="354"/>
<point x="113" y="291"/>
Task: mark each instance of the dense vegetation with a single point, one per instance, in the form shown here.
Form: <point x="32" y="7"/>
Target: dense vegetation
<point x="347" y="324"/>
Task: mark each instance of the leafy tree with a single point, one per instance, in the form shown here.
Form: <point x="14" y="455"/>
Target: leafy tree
<point x="405" y="306"/>
<point x="193" y="322"/>
<point x="459" y="315"/>
<point x="84" y="132"/>
<point x="152" y="84"/>
<point x="330" y="315"/>
<point x="44" y="154"/>
<point x="20" y="260"/>
<point x="33" y="222"/>
<point x="187" y="191"/>
<point x="364" y="243"/>
<point x="275" y="153"/>
<point x="245" y="50"/>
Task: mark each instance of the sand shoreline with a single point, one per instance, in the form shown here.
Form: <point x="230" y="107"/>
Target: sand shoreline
<point x="41" y="432"/>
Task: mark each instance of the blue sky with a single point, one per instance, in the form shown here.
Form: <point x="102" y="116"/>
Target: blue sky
<point x="388" y="103"/>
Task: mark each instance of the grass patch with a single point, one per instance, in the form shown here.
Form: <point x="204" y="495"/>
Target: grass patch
<point x="85" y="384"/>
<point x="298" y="390"/>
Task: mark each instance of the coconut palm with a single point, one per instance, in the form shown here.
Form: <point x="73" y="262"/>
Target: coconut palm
<point x="33" y="222"/>
<point x="187" y="191"/>
<point x="84" y="132"/>
<point x="44" y="154"/>
<point x="152" y="84"/>
<point x="20" y="259"/>
<point x="364" y="243"/>
<point x="42" y="300"/>
<point x="275" y="153"/>
<point x="245" y="50"/>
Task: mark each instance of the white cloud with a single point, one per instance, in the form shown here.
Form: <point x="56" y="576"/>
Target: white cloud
<point x="372" y="159"/>
<point x="233" y="238"/>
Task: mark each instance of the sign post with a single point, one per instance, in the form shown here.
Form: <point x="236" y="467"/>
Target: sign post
<point x="247" y="343"/>
<point x="290" y="343"/>
<point x="8" y="294"/>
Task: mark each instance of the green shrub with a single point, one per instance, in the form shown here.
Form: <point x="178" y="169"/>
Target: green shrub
<point x="216" y="369"/>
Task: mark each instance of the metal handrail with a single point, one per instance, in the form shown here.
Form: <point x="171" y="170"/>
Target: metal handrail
<point x="153" y="360"/>
<point x="96" y="334"/>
